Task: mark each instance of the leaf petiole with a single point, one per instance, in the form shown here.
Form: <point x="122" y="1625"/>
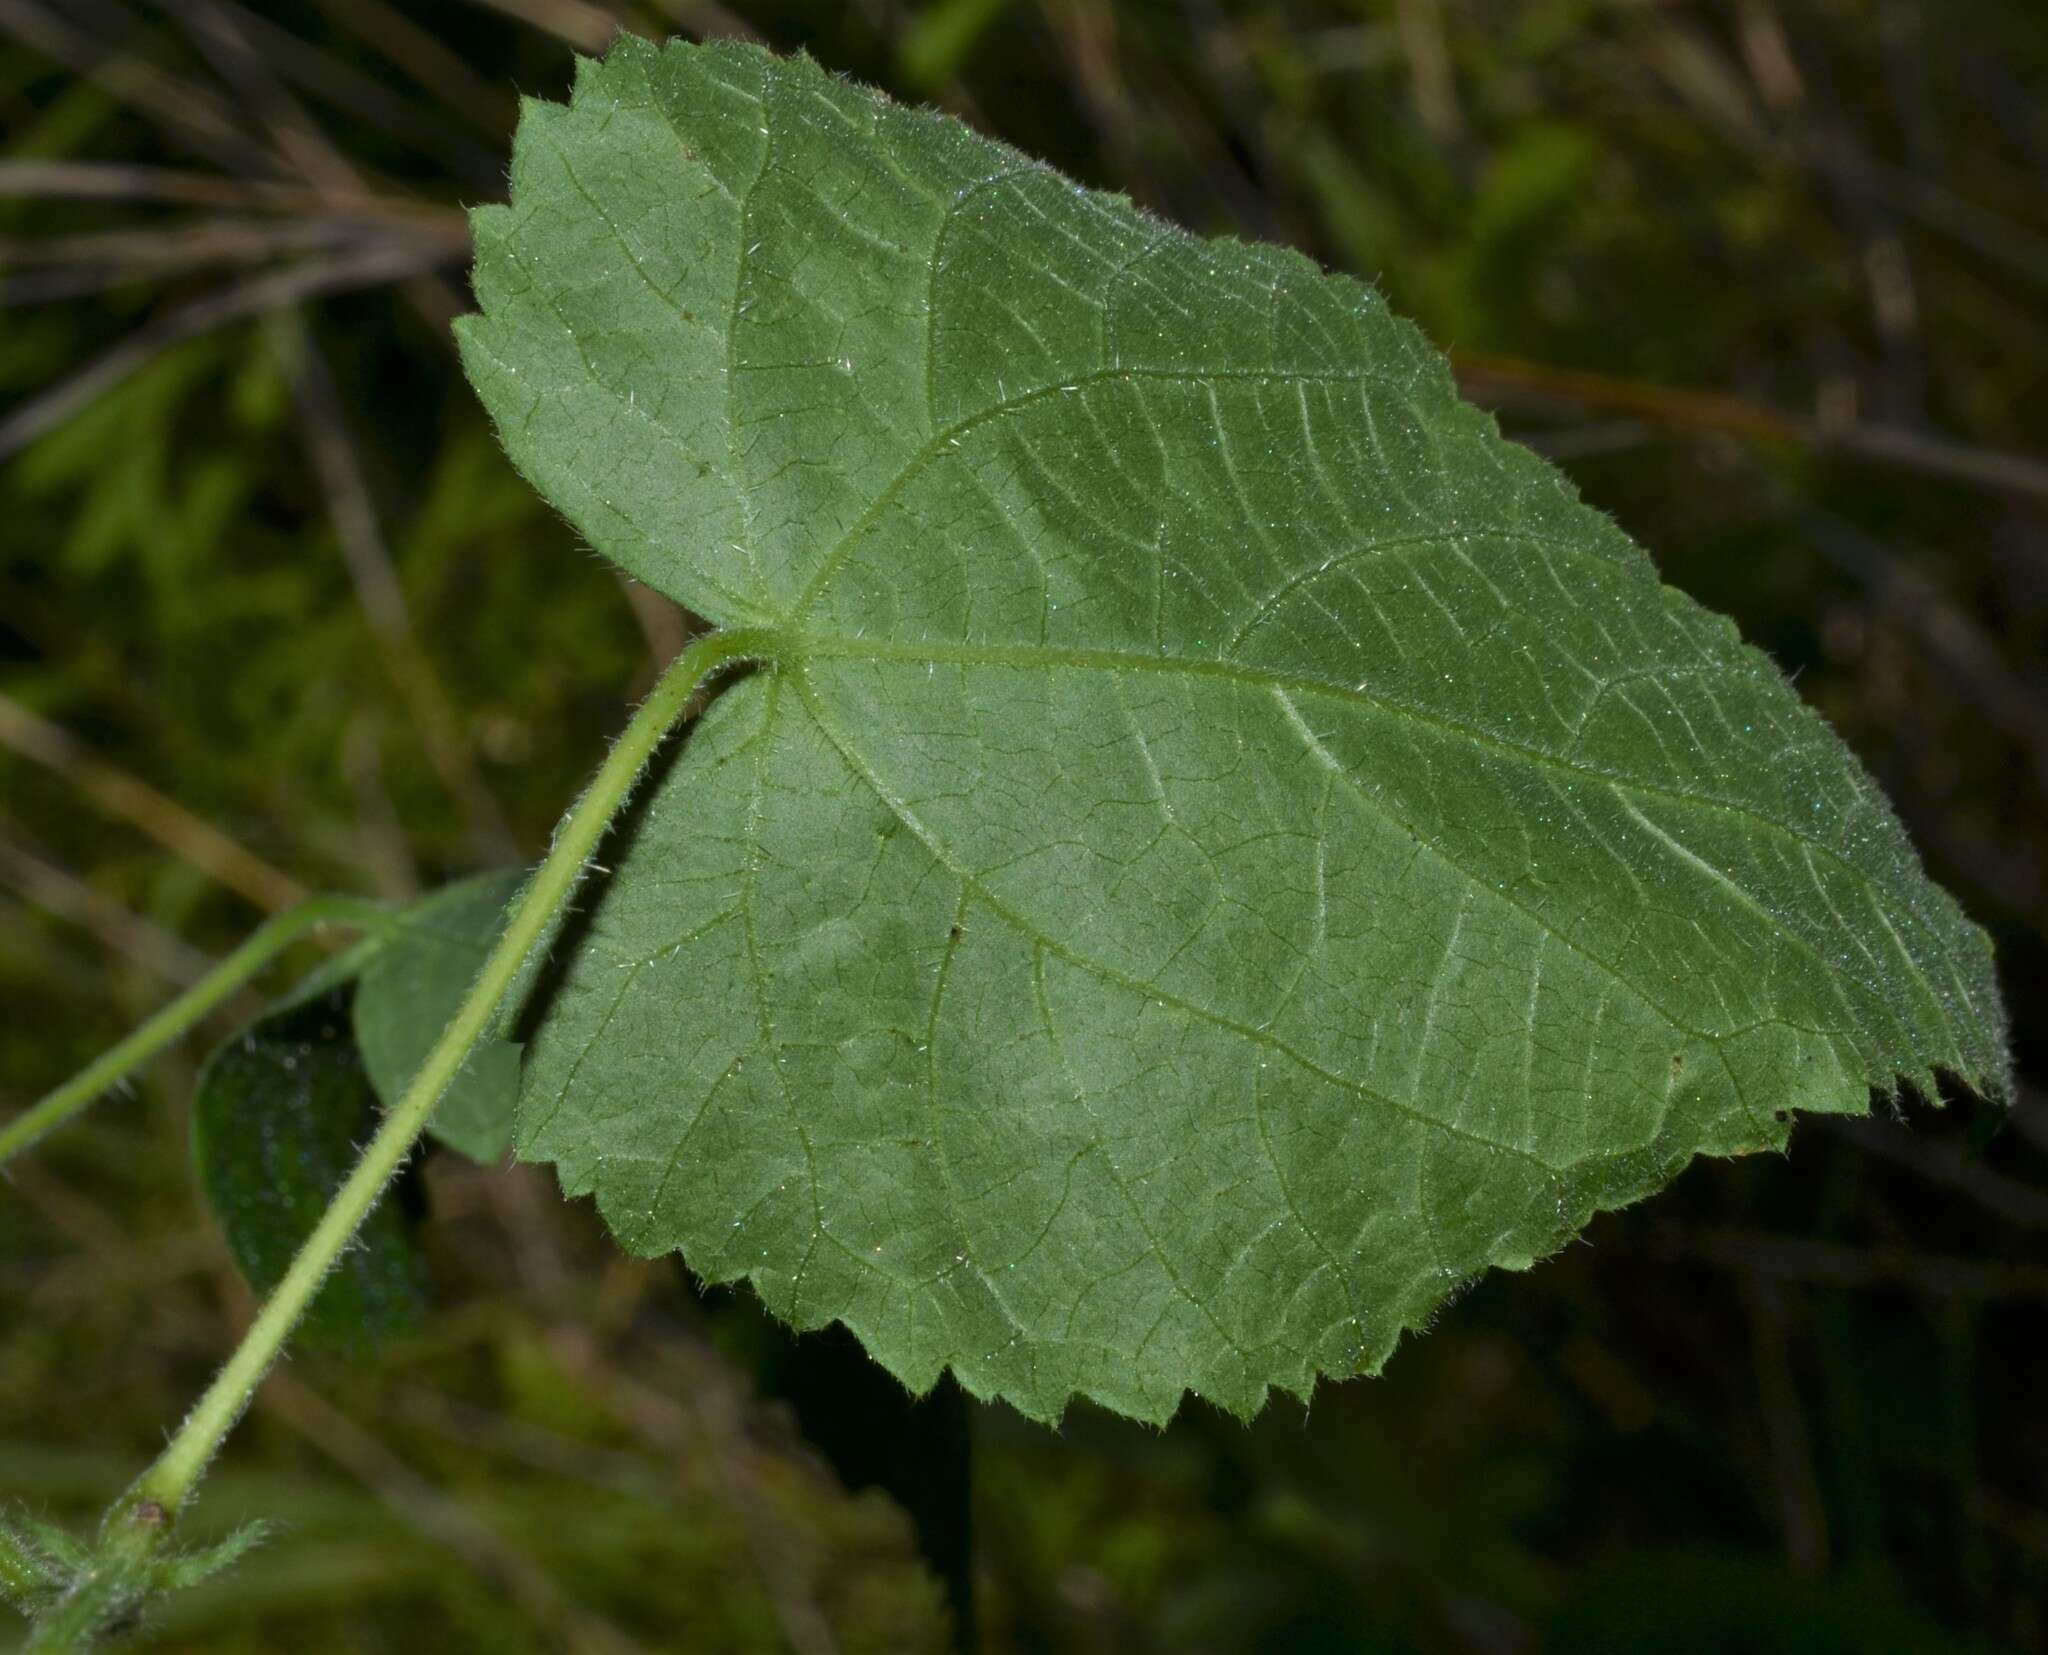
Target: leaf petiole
<point x="169" y="1481"/>
<point x="182" y="1014"/>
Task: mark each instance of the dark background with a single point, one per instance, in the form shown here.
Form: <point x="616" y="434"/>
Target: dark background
<point x="1769" y="277"/>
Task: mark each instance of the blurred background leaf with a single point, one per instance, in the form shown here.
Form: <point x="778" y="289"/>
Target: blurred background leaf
<point x="1769" y="277"/>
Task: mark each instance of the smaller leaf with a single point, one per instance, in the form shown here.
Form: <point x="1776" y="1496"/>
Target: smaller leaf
<point x="184" y="1569"/>
<point x="43" y="1570"/>
<point x="28" y="1577"/>
<point x="410" y="991"/>
<point x="281" y="1110"/>
<point x="63" y="1551"/>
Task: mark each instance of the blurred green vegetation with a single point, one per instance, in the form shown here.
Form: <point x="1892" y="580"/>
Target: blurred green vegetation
<point x="1769" y="277"/>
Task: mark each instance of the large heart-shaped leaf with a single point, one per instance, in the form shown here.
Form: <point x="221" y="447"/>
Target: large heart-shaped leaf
<point x="1221" y="847"/>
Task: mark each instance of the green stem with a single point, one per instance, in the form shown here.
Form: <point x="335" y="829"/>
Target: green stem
<point x="100" y="1600"/>
<point x="177" y="1018"/>
<point x="168" y="1482"/>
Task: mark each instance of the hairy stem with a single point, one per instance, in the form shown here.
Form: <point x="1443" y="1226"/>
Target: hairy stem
<point x="177" y="1018"/>
<point x="167" y="1483"/>
<point x="103" y="1598"/>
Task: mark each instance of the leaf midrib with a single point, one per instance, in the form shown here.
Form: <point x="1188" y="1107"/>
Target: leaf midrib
<point x="948" y="439"/>
<point x="794" y="648"/>
<point x="801" y="643"/>
<point x="1144" y="990"/>
<point x="1260" y="1035"/>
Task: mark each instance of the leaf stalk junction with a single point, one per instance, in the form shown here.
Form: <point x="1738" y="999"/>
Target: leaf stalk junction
<point x="136" y="1527"/>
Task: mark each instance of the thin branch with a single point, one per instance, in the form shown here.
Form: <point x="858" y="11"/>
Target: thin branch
<point x="1802" y="1515"/>
<point x="62" y="267"/>
<point x="211" y="985"/>
<point x="1975" y="665"/>
<point x="58" y="891"/>
<point x="182" y="107"/>
<point x="382" y="261"/>
<point x="339" y="469"/>
<point x="299" y="137"/>
<point x="1433" y="85"/>
<point x="584" y="26"/>
<point x="116" y="181"/>
<point x="1933" y="207"/>
<point x="183" y="245"/>
<point x="372" y="100"/>
<point x="134" y="801"/>
<point x="151" y="1504"/>
<point x="1886" y="445"/>
<point x="2014" y="1201"/>
<point x="707" y="20"/>
<point x="384" y="849"/>
<point x="710" y="1431"/>
<point x="440" y="1519"/>
<point x="721" y="1436"/>
<point x="429" y="63"/>
<point x="1835" y="1264"/>
<point x="664" y="623"/>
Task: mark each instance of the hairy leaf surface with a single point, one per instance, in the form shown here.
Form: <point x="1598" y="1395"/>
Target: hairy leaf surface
<point x="1222" y="848"/>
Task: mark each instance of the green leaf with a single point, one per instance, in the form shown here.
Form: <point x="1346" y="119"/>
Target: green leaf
<point x="31" y="1572"/>
<point x="181" y="1570"/>
<point x="1221" y="847"/>
<point x="60" y="1550"/>
<point x="410" y="990"/>
<point x="281" y="1111"/>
